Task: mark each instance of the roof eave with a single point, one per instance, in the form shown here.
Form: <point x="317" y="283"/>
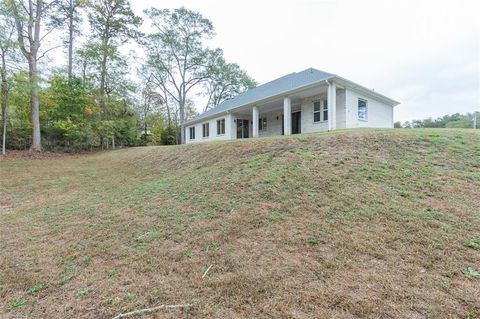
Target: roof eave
<point x="262" y="101"/>
<point x="333" y="77"/>
<point x="354" y="85"/>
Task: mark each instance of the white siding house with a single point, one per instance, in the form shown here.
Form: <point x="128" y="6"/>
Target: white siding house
<point x="296" y="103"/>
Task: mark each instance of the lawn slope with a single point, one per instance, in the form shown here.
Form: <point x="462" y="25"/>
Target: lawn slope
<point x="350" y="224"/>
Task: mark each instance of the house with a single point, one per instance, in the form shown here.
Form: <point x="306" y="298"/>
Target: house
<point x="295" y="103"/>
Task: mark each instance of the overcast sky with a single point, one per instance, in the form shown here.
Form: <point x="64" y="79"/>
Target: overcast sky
<point x="425" y="54"/>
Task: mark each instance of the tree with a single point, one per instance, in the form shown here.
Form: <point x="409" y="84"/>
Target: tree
<point x="28" y="16"/>
<point x="68" y="15"/>
<point x="176" y="54"/>
<point x="113" y="23"/>
<point x="19" y="130"/>
<point x="73" y="120"/>
<point x="456" y="120"/>
<point x="225" y="80"/>
<point x="7" y="45"/>
<point x="152" y="101"/>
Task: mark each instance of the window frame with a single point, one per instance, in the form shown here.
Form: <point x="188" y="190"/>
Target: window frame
<point x="220" y="126"/>
<point x="321" y="111"/>
<point x="366" y="110"/>
<point x="206" y="129"/>
<point x="191" y="130"/>
<point x="262" y="124"/>
<point x="325" y="109"/>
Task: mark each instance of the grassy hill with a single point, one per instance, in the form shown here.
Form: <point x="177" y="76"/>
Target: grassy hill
<point x="350" y="224"/>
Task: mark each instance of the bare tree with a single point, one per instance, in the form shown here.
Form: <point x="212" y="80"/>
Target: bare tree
<point x="177" y="55"/>
<point x="225" y="81"/>
<point x="72" y="18"/>
<point x="28" y="16"/>
<point x="113" y="23"/>
<point x="68" y="15"/>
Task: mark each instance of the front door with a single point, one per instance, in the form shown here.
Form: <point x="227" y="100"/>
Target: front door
<point x="296" y="123"/>
<point x="242" y="128"/>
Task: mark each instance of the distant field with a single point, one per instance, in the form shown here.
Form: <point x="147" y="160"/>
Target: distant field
<point x="350" y="224"/>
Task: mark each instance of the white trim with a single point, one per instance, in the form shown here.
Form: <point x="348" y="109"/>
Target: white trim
<point x="262" y="101"/>
<point x="366" y="110"/>
<point x="190" y="130"/>
<point x="335" y="79"/>
<point x="216" y="126"/>
<point x="366" y="91"/>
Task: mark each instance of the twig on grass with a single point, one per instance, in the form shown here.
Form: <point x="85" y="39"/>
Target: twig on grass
<point x="149" y="310"/>
<point x="206" y="271"/>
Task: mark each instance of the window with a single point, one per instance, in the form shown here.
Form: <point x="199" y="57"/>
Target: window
<point x="325" y="110"/>
<point x="221" y="127"/>
<point x="262" y="124"/>
<point x="320" y="111"/>
<point x="362" y="109"/>
<point x="206" y="129"/>
<point x="192" y="132"/>
<point x="316" y="111"/>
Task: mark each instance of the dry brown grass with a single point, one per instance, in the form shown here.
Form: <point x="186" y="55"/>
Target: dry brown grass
<point x="353" y="224"/>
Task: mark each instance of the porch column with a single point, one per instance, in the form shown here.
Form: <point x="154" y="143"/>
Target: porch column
<point x="287" y="116"/>
<point x="255" y="121"/>
<point x="332" y="106"/>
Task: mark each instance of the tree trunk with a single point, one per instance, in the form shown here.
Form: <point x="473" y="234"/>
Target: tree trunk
<point x="4" y="102"/>
<point x="33" y="72"/>
<point x="169" y="116"/>
<point x="84" y="71"/>
<point x="31" y="31"/>
<point x="103" y="75"/>
<point x="182" y="118"/>
<point x="113" y="142"/>
<point x="4" y="117"/>
<point x="70" y="39"/>
<point x="35" y="105"/>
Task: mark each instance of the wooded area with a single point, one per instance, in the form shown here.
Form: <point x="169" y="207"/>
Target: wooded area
<point x="94" y="100"/>
<point x="457" y="120"/>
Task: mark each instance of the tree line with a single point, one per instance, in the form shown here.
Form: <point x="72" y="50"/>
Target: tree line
<point x="456" y="120"/>
<point x="93" y="100"/>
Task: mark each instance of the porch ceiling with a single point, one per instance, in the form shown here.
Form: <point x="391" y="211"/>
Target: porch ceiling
<point x="277" y="104"/>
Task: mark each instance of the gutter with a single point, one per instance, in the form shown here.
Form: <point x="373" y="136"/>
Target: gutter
<point x="262" y="101"/>
<point x="368" y="91"/>
<point x="306" y="87"/>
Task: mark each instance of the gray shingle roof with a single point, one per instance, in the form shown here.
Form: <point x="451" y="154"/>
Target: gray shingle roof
<point x="284" y="84"/>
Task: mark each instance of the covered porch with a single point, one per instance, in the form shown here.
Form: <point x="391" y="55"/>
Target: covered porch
<point x="299" y="112"/>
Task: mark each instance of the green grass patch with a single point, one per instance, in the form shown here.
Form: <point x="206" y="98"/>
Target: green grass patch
<point x="111" y="273"/>
<point x="69" y="272"/>
<point x="85" y="261"/>
<point x="276" y="216"/>
<point x="16" y="304"/>
<point x="131" y="297"/>
<point x="147" y="236"/>
<point x="473" y="243"/>
<point x="82" y="293"/>
<point x="471" y="272"/>
<point x="37" y="288"/>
